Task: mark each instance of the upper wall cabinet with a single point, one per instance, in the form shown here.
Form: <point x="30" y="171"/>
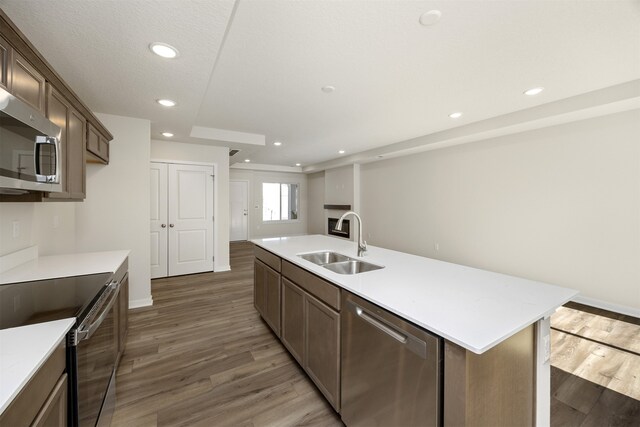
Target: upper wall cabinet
<point x="5" y="63"/>
<point x="28" y="76"/>
<point x="27" y="83"/>
<point x="72" y="141"/>
<point x="97" y="146"/>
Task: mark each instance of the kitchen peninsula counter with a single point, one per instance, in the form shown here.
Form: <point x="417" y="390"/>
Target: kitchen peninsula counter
<point x="473" y="308"/>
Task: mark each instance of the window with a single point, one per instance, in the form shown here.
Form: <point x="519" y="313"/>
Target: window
<point x="279" y="201"/>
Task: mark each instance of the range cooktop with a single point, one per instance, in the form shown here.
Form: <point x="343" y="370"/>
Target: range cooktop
<point x="39" y="301"/>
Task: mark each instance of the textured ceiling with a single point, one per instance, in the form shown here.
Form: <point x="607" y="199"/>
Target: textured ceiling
<point x="257" y="66"/>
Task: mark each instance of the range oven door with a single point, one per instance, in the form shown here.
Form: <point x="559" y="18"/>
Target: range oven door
<point x="93" y="394"/>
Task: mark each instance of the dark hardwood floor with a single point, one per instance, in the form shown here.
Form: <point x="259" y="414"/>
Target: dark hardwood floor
<point x="201" y="356"/>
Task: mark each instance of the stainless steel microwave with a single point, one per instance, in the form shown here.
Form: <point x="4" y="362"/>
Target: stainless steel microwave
<point x="29" y="149"/>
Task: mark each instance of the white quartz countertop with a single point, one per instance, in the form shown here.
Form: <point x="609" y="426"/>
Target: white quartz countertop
<point x="473" y="308"/>
<point x="55" y="266"/>
<point x="23" y="350"/>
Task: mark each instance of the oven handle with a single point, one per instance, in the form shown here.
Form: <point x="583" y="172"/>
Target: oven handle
<point x="85" y="331"/>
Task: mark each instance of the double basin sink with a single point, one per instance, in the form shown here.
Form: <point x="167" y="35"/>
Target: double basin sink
<point x="339" y="263"/>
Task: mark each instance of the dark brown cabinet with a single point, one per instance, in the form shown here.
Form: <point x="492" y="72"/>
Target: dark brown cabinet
<point x="293" y="319"/>
<point x="97" y="145"/>
<point x="54" y="410"/>
<point x="267" y="294"/>
<point x="43" y="400"/>
<point x="27" y="83"/>
<point x="311" y="328"/>
<point x="72" y="154"/>
<point x="5" y="64"/>
<point x="123" y="315"/>
<point x="322" y="342"/>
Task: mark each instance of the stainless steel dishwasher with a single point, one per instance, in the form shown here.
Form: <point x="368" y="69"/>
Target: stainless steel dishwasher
<point x="391" y="373"/>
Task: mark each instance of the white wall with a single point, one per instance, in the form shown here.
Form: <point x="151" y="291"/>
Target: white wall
<point x="339" y="186"/>
<point x="315" y="202"/>
<point x="115" y="214"/>
<point x="49" y="225"/>
<point x="260" y="229"/>
<point x="219" y="157"/>
<point x="559" y="205"/>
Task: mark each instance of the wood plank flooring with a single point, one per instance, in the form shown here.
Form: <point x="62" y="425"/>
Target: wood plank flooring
<point x="595" y="373"/>
<point x="201" y="356"/>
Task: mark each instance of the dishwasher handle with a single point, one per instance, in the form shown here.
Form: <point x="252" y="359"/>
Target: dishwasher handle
<point x="412" y="343"/>
<point x="376" y="323"/>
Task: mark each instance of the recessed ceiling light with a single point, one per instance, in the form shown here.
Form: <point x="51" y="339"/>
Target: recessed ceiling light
<point x="167" y="134"/>
<point x="327" y="89"/>
<point x="164" y="50"/>
<point x="297" y="164"/>
<point x="166" y="102"/>
<point x="430" y="18"/>
<point x="455" y="115"/>
<point x="277" y="143"/>
<point x="341" y="152"/>
<point x="533" y="91"/>
<point x="247" y="160"/>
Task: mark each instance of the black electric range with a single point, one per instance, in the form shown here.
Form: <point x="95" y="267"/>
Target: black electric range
<point x="40" y="301"/>
<point x="91" y="344"/>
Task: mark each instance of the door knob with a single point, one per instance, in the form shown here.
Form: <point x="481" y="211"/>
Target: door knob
<point x="171" y="225"/>
<point x="163" y="225"/>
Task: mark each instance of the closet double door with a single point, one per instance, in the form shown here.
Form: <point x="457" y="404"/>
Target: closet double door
<point x="181" y="219"/>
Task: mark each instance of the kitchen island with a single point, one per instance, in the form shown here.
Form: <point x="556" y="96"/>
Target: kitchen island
<point x="495" y="327"/>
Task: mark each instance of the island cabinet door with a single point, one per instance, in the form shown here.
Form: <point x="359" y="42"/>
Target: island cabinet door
<point x="292" y="333"/>
<point x="322" y="352"/>
<point x="259" y="278"/>
<point x="272" y="295"/>
<point x="266" y="294"/>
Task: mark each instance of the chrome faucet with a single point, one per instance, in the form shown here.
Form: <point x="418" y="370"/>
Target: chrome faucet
<point x="362" y="245"/>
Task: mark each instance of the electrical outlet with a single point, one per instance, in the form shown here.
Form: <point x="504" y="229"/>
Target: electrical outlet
<point x="56" y="221"/>
<point x="436" y="246"/>
<point x="16" y="229"/>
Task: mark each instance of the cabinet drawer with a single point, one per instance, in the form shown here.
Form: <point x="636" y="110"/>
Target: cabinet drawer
<point x="321" y="289"/>
<point x="26" y="406"/>
<point x="267" y="257"/>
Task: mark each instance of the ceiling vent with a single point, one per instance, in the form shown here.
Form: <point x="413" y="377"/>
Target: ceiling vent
<point x="233" y="152"/>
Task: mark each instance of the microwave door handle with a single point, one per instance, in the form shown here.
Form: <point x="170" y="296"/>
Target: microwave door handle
<point x="46" y="140"/>
<point x="86" y="331"/>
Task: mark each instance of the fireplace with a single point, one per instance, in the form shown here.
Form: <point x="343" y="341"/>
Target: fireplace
<point x="346" y="229"/>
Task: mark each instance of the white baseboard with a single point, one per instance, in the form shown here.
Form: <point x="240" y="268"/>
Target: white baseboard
<point x="219" y="268"/>
<point x="14" y="259"/>
<point x="622" y="309"/>
<point x="137" y="303"/>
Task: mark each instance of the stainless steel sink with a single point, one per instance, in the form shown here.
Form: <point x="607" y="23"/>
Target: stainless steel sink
<point x="351" y="266"/>
<point x="325" y="257"/>
<point x="339" y="263"/>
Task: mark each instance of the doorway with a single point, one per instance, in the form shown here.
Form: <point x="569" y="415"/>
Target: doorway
<point x="239" y="207"/>
<point x="181" y="219"/>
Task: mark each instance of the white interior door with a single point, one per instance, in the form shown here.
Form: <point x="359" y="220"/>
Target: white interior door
<point x="190" y="219"/>
<point x="239" y="205"/>
<point x="159" y="223"/>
